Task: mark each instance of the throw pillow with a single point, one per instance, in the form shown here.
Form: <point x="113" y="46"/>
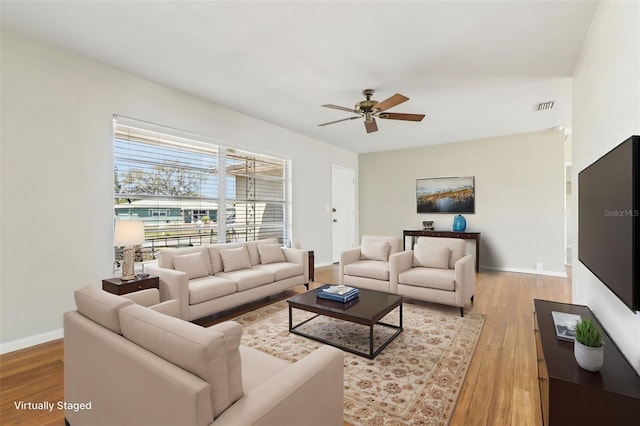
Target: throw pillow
<point x="192" y="263"/>
<point x="270" y="253"/>
<point x="375" y="251"/>
<point x="235" y="259"/>
<point x="431" y="257"/>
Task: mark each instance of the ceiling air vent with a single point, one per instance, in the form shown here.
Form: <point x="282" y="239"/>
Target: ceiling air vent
<point x="545" y="106"/>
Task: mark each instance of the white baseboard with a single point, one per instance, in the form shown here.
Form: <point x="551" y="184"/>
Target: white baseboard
<point x="26" y="342"/>
<point x="528" y="271"/>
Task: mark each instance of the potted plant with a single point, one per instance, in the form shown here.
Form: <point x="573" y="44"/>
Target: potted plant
<point x="588" y="348"/>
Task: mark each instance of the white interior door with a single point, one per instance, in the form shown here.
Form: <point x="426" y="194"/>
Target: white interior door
<point x="343" y="216"/>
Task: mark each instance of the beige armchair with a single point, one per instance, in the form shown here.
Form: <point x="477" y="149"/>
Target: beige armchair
<point x="436" y="270"/>
<point x="368" y="265"/>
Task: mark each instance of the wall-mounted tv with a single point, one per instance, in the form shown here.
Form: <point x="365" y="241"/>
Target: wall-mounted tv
<point x="609" y="220"/>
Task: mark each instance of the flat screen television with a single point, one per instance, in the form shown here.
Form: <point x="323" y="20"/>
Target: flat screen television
<point x="609" y="220"/>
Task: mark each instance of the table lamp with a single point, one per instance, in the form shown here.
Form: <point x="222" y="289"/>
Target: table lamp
<point x="128" y="233"/>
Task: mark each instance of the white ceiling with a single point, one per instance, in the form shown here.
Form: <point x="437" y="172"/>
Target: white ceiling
<point x="476" y="68"/>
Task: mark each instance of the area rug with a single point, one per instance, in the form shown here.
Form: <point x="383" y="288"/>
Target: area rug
<point x="413" y="381"/>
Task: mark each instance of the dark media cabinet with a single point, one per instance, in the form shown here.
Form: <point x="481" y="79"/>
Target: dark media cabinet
<point x="570" y="395"/>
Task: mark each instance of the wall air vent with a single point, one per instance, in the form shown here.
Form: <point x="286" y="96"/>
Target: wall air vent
<point x="545" y="106"/>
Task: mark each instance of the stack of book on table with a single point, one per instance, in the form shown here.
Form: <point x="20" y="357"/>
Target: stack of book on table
<point x="339" y="293"/>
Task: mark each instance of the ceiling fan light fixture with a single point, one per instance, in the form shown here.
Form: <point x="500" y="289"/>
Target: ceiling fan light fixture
<point x="370" y="109"/>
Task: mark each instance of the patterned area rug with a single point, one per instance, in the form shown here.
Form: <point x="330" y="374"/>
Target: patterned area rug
<point x="413" y="381"/>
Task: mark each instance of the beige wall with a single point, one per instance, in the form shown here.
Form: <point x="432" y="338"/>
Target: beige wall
<point x="57" y="175"/>
<point x="606" y="111"/>
<point x="519" y="195"/>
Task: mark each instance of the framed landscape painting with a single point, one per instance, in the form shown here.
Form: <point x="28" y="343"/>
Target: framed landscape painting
<point x="446" y="195"/>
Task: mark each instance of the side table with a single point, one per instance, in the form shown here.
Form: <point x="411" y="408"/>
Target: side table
<point x="119" y="287"/>
<point x="312" y="266"/>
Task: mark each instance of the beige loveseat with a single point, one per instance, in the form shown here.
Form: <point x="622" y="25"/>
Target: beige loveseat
<point x="436" y="270"/>
<point x="211" y="278"/>
<point x="128" y="365"/>
<point x="367" y="266"/>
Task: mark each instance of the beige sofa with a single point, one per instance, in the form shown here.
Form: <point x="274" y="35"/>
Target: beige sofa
<point x="368" y="265"/>
<point x="211" y="278"/>
<point x="126" y="364"/>
<point x="436" y="270"/>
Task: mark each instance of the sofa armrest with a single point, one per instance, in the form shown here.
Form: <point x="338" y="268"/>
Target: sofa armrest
<point x="347" y="257"/>
<point x="399" y="262"/>
<point x="173" y="285"/>
<point x="308" y="392"/>
<point x="465" y="275"/>
<point x="299" y="256"/>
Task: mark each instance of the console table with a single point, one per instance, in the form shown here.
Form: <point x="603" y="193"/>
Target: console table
<point x="571" y="395"/>
<point x="413" y="233"/>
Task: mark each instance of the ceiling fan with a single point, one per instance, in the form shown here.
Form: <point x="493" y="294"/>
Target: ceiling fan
<point x="370" y="109"/>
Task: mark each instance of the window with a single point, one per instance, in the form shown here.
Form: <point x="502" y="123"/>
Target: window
<point x="181" y="185"/>
<point x="258" y="207"/>
<point x="158" y="212"/>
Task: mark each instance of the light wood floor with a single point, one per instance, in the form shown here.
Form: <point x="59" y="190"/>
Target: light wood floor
<point x="500" y="387"/>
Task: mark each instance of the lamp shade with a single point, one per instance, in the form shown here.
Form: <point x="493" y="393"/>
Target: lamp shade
<point x="129" y="233"/>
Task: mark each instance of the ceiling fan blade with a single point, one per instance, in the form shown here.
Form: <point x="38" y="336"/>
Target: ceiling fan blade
<point x="339" y="108"/>
<point x="394" y="100"/>
<point x="337" y="121"/>
<point x="371" y="126"/>
<point x="400" y="116"/>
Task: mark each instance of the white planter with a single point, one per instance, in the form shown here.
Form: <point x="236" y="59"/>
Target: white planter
<point x="591" y="359"/>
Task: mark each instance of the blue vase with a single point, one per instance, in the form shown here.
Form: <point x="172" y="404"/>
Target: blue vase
<point x="459" y="223"/>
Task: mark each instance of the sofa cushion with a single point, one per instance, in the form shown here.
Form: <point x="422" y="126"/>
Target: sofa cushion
<point x="282" y="270"/>
<point x="165" y="256"/>
<point x="368" y="269"/>
<point x="457" y="246"/>
<point x="270" y="253"/>
<point x="147" y="297"/>
<point x="252" y="248"/>
<point x="375" y="250"/>
<point x="441" y="279"/>
<point x="193" y="264"/>
<point x="214" y="254"/>
<point x="213" y="356"/>
<point x="168" y="307"/>
<point x="248" y="278"/>
<point x="431" y="256"/>
<point x="101" y="307"/>
<point x="396" y="244"/>
<point x="209" y="287"/>
<point x="234" y="259"/>
<point x="258" y="367"/>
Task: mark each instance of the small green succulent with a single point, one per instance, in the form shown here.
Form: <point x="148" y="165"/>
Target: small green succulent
<point x="588" y="334"/>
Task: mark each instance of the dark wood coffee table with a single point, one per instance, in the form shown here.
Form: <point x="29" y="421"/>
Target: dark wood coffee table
<point x="367" y="310"/>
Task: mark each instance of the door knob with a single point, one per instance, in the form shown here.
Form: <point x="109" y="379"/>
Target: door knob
<point x="335" y="220"/>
